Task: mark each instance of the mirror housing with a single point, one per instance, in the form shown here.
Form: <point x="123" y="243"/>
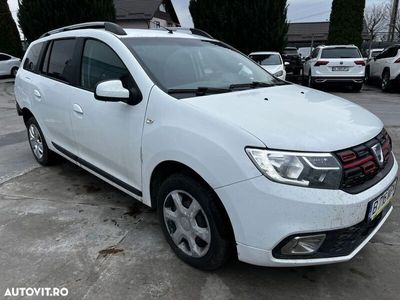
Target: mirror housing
<point x="286" y="63"/>
<point x="114" y="91"/>
<point x="307" y="58"/>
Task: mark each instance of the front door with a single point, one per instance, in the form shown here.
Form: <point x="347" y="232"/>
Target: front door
<point x="108" y="134"/>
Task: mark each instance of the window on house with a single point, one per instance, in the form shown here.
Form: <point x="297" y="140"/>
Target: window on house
<point x="163" y="8"/>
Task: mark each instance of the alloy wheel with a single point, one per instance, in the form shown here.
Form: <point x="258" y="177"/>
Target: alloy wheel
<point x="187" y="224"/>
<point x="36" y="142"/>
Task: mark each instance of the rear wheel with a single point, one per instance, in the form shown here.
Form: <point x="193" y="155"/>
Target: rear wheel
<point x="41" y="152"/>
<point x="191" y="222"/>
<point x="368" y="79"/>
<point x="356" y="87"/>
<point x="385" y="84"/>
<point x="14" y="72"/>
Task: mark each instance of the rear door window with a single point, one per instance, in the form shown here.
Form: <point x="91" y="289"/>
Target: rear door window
<point x="32" y="58"/>
<point x="340" y="53"/>
<point x="4" y="57"/>
<point x="60" y="60"/>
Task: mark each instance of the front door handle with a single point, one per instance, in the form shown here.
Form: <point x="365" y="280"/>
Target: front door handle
<point x="78" y="109"/>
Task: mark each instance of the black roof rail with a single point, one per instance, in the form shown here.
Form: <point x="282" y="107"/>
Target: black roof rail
<point x="194" y="31"/>
<point x="108" y="26"/>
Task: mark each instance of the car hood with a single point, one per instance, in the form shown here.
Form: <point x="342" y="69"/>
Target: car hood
<point x="292" y="117"/>
<point x="273" y="69"/>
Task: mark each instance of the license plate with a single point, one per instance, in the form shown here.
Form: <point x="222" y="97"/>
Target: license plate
<point x="378" y="205"/>
<point x="336" y="69"/>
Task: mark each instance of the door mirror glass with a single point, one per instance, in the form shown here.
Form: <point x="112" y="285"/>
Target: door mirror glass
<point x="112" y="91"/>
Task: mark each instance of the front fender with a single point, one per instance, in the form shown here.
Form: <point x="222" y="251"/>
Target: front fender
<point x="182" y="133"/>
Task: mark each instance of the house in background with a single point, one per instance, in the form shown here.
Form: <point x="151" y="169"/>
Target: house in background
<point x="146" y="13"/>
<point x="312" y="34"/>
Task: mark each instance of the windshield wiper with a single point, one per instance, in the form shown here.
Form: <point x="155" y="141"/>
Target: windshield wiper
<point x="253" y="85"/>
<point x="200" y="91"/>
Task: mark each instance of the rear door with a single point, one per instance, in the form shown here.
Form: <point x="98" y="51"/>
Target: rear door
<point x="378" y="65"/>
<point x="342" y="62"/>
<point x="53" y="92"/>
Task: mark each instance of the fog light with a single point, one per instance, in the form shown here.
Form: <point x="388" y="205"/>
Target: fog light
<point x="303" y="245"/>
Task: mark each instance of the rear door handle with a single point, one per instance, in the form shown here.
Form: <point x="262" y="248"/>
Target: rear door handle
<point x="78" y="109"/>
<point x="37" y="95"/>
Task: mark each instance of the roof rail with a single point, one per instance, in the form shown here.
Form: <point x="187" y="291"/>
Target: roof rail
<point x="108" y="26"/>
<point x="194" y="31"/>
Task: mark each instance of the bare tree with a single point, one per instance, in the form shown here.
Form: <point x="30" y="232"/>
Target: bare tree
<point x="376" y="16"/>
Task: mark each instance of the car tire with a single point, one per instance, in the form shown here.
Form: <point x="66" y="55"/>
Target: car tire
<point x="356" y="87"/>
<point x="368" y="79"/>
<point x="385" y="83"/>
<point x="14" y="72"/>
<point x="192" y="223"/>
<point x="310" y="82"/>
<point x="38" y="145"/>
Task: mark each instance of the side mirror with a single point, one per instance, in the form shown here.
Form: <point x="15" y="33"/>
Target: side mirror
<point x="287" y="63"/>
<point x="114" y="91"/>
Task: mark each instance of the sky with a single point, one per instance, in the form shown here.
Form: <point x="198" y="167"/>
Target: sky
<point x="299" y="10"/>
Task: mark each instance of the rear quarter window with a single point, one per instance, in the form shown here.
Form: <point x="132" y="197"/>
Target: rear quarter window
<point x="32" y="57"/>
<point x="340" y="53"/>
<point x="60" y="60"/>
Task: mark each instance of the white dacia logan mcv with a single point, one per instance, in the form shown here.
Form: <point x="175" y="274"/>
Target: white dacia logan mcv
<point x="235" y="160"/>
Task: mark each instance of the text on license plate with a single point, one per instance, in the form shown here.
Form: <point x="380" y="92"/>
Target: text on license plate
<point x="376" y="206"/>
<point x="340" y="69"/>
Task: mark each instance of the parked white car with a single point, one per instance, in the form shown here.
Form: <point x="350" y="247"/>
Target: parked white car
<point x="386" y="68"/>
<point x="335" y="64"/>
<point x="305" y="52"/>
<point x="270" y="61"/>
<point x="9" y="65"/>
<point x="230" y="156"/>
<point x="374" y="53"/>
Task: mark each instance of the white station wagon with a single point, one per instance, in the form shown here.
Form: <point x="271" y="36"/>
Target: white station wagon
<point x="236" y="161"/>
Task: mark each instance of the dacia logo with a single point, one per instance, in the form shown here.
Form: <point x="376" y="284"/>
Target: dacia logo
<point x="378" y="153"/>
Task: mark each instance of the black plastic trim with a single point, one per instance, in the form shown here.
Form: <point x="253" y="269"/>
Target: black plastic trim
<point x="98" y="171"/>
<point x="340" y="242"/>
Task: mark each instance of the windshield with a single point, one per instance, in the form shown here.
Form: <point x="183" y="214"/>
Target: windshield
<point x="267" y="59"/>
<point x="340" y="53"/>
<point x="290" y="51"/>
<point x="179" y="63"/>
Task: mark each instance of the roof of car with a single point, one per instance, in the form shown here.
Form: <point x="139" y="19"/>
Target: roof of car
<point x="337" y="46"/>
<point x="264" y="52"/>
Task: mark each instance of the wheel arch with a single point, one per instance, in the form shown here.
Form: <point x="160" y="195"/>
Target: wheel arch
<point x="26" y="114"/>
<point x="385" y="69"/>
<point x="167" y="168"/>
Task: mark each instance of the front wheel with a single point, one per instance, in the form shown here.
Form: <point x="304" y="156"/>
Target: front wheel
<point x="192" y="222"/>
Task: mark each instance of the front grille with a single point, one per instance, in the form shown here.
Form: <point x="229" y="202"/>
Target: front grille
<point x="361" y="166"/>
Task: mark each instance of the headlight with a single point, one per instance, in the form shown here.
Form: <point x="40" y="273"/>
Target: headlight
<point x="317" y="170"/>
<point x="278" y="74"/>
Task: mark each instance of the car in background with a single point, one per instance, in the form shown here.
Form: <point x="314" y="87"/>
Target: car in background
<point x="305" y="52"/>
<point x="374" y="53"/>
<point x="270" y="61"/>
<point x="292" y="57"/>
<point x="339" y="64"/>
<point x="385" y="68"/>
<point x="9" y="65"/>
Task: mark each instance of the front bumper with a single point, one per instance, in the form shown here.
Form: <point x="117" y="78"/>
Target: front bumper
<point x="264" y="213"/>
